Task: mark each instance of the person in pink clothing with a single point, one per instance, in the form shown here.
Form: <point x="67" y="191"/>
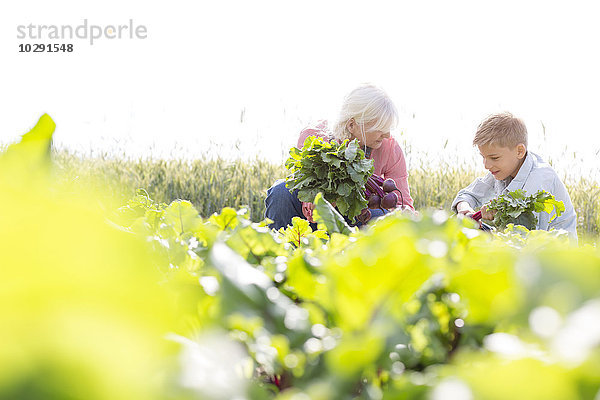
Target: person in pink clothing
<point x="367" y="114"/>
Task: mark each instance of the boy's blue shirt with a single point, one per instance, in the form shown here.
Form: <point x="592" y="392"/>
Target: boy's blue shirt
<point x="534" y="175"/>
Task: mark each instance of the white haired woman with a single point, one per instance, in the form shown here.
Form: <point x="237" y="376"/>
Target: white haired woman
<point x="367" y="114"/>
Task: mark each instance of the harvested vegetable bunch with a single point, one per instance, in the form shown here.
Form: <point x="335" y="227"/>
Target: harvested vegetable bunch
<point x="518" y="208"/>
<point x="381" y="193"/>
<point x="338" y="170"/>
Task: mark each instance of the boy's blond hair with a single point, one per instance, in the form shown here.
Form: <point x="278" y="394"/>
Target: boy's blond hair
<point x="503" y="129"/>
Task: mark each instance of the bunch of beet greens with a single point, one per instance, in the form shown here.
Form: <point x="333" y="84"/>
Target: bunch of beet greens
<point x="518" y="208"/>
<point x="338" y="170"/>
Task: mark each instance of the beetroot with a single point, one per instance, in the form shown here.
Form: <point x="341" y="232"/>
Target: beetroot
<point x="390" y="200"/>
<point x="389" y="185"/>
<point x="376" y="185"/>
<point x="374" y="201"/>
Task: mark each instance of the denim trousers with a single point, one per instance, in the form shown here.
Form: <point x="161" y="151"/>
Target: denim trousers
<point x="281" y="206"/>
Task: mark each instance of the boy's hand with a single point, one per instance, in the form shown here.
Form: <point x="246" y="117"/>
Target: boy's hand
<point x="487" y="214"/>
<point x="307" y="209"/>
<point x="464" y="208"/>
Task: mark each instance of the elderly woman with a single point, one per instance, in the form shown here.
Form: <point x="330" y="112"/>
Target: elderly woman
<point x="367" y="114"/>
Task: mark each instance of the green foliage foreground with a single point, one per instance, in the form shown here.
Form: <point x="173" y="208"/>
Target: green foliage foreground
<point x="153" y="301"/>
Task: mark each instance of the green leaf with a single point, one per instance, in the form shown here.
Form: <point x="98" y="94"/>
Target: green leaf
<point x="182" y="216"/>
<point x="321" y="234"/>
<point x="246" y="285"/>
<point x="295" y="153"/>
<point x="255" y="242"/>
<point x="342" y="205"/>
<point x="299" y="229"/>
<point x="226" y="220"/>
<point x="328" y="218"/>
<point x="344" y="189"/>
<point x="355" y="353"/>
<point x="515" y="214"/>
<point x="553" y="205"/>
<point x="34" y="147"/>
<point x="517" y="194"/>
<point x="331" y="158"/>
<point x="351" y="151"/>
<point x="364" y="166"/>
<point x="301" y="277"/>
<point x="354" y="174"/>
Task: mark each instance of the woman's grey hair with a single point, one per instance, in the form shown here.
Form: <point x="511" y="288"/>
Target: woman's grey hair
<point x="366" y="104"/>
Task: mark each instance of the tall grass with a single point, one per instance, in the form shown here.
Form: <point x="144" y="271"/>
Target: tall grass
<point x="213" y="183"/>
<point x="210" y="184"/>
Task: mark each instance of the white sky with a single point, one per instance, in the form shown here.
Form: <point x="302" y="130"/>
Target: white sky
<point x="180" y="92"/>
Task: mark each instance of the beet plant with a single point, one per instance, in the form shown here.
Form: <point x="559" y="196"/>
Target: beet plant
<point x="517" y="208"/>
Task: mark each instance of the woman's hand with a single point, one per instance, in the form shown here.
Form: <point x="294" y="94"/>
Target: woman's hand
<point x="307" y="209"/>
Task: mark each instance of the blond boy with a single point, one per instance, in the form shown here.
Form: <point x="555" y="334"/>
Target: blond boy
<point x="502" y="142"/>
